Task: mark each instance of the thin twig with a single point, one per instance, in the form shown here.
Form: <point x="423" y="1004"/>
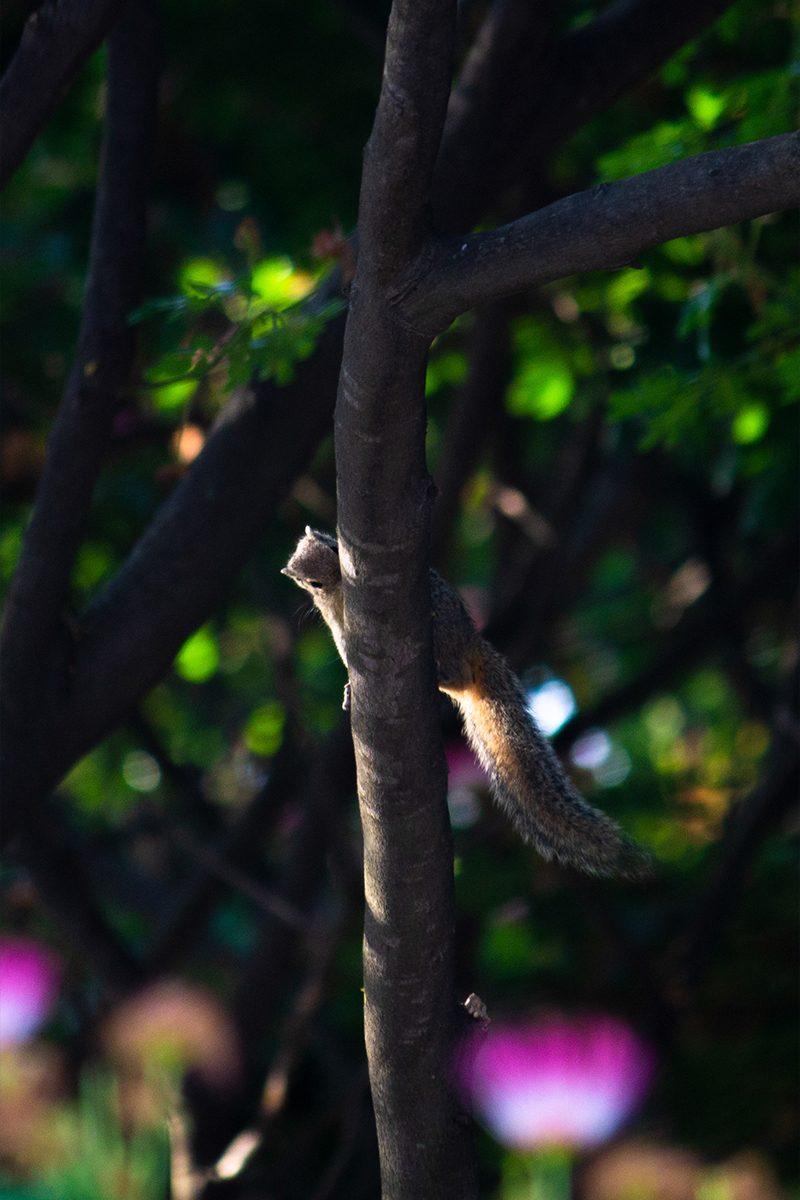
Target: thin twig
<point x="217" y="865"/>
<point x="353" y="1108"/>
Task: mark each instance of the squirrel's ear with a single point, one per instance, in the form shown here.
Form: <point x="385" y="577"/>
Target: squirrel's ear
<point x="309" y="531"/>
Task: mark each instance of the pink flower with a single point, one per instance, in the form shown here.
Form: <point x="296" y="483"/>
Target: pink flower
<point x="556" y="1082"/>
<point x="28" y="988"/>
<point x="173" y="1026"/>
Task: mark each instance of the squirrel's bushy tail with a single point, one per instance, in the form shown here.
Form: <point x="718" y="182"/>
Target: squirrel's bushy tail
<point x="529" y="781"/>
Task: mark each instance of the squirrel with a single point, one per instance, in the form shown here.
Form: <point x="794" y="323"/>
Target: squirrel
<point x="525" y="774"/>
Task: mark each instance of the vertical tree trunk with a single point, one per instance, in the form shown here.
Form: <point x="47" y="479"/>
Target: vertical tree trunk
<point x="384" y="508"/>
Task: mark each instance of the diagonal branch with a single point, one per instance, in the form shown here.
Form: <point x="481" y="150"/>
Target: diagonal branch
<point x="179" y="573"/>
<point x="259" y="990"/>
<point x="749" y="824"/>
<point x="699" y="631"/>
<point x="52" y="854"/>
<point x="55" y="43"/>
<point x="518" y="100"/>
<point x="601" y="229"/>
<point x="33" y="623"/>
<point x="481" y="134"/>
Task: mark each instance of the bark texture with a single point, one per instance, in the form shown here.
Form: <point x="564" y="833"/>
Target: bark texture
<point x="384" y="495"/>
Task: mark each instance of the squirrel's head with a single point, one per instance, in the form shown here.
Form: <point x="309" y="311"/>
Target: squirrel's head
<point x="315" y="563"/>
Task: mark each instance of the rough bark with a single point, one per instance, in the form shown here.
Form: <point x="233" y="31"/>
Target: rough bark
<point x="384" y="508"/>
<point x="604" y="228"/>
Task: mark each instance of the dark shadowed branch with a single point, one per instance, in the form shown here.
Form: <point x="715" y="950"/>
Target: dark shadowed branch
<point x="328" y="786"/>
<point x="33" y="625"/>
<point x="56" y="42"/>
<point x="325" y="938"/>
<point x="352" y="1111"/>
<point x="481" y="134"/>
<point x="518" y="99"/>
<point x="472" y="414"/>
<point x="52" y="853"/>
<point x="584" y="492"/>
<point x="748" y="825"/>
<point x="700" y="629"/>
<point x="602" y="229"/>
<point x="177" y="575"/>
<point x="239" y="849"/>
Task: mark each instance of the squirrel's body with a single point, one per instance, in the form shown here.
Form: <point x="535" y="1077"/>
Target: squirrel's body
<point x="526" y="775"/>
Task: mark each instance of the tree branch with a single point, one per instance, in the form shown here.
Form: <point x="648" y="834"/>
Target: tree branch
<point x="747" y="827"/>
<point x="384" y="505"/>
<point x="400" y="155"/>
<point x="698" y="631"/>
<point x="55" y="43"/>
<point x="258" y="992"/>
<point x="472" y="416"/>
<point x="178" y="574"/>
<point x="517" y="99"/>
<point x="239" y="848"/>
<point x="479" y="134"/>
<point x="601" y="229"/>
<point x="51" y="853"/>
<point x="33" y="625"/>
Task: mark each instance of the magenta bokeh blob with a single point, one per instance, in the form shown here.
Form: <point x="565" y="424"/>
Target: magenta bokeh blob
<point x="557" y="1081"/>
<point x="29" y="975"/>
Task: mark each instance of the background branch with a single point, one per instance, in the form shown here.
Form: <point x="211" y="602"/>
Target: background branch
<point x="178" y="574"/>
<point x="52" y="853"/>
<point x="33" y="627"/>
<point x="519" y="98"/>
<point x="473" y="412"/>
<point x="56" y="42"/>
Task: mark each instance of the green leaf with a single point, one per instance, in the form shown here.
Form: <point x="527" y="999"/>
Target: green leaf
<point x="541" y="390"/>
<point x="198" y="658"/>
<point x="264" y="730"/>
<point x="750" y="424"/>
<point x="171" y="367"/>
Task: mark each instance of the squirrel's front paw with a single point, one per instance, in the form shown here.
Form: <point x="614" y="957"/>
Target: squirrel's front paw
<point x="346" y="698"/>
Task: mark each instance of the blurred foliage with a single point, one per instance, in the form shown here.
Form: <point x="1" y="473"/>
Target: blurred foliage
<point x="688" y="362"/>
<point x="84" y="1152"/>
<point x="234" y="329"/>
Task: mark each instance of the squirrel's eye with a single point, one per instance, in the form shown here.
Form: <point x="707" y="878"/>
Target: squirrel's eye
<point x="313" y="583"/>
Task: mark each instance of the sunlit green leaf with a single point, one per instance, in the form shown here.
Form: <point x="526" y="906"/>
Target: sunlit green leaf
<point x="750" y="424"/>
<point x="173" y="396"/>
<point x="198" y="658"/>
<point x="706" y="107"/>
<point x="264" y="730"/>
<point x="199" y="273"/>
<point x="541" y="390"/>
